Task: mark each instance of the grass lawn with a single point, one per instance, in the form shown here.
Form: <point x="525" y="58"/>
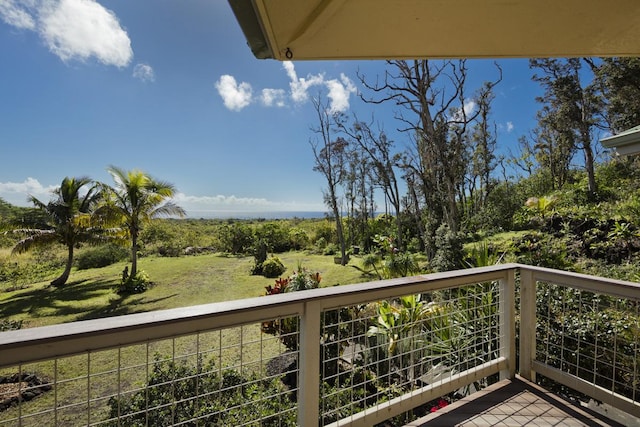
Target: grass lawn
<point x="179" y="282"/>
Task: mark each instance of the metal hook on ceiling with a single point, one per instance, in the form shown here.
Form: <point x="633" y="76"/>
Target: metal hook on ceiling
<point x="288" y="54"/>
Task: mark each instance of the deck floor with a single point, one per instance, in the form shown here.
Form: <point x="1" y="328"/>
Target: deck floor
<point x="514" y="402"/>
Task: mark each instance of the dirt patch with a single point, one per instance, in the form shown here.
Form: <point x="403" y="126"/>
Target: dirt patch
<point x="17" y="387"/>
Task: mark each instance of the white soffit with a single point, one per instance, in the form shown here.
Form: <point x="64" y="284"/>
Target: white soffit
<point x="625" y="143"/>
<point x="397" y="29"/>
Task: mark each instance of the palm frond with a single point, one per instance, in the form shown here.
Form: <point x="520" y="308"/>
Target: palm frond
<point x="37" y="238"/>
<point x="168" y="209"/>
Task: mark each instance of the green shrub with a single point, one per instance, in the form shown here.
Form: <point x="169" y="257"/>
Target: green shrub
<point x="101" y="256"/>
<point x="134" y="284"/>
<point x="172" y="248"/>
<point x="259" y="256"/>
<point x="273" y="267"/>
<point x="449" y="250"/>
<point x="330" y="249"/>
<point x="275" y="235"/>
<point x="231" y="398"/>
<point x="326" y="231"/>
<point x="542" y="250"/>
<point x="235" y="238"/>
<point x="299" y="238"/>
<point x="401" y="264"/>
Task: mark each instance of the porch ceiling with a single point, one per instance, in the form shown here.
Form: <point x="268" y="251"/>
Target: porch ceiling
<point x="383" y="29"/>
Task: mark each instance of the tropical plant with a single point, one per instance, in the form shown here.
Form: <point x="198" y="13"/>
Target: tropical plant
<point x="397" y="338"/>
<point x="232" y="398"/>
<point x="541" y="205"/>
<point x="286" y="328"/>
<point x="68" y="221"/>
<point x="624" y="234"/>
<point x="135" y="200"/>
<point x="372" y="263"/>
<point x="302" y="280"/>
<point x="482" y="255"/>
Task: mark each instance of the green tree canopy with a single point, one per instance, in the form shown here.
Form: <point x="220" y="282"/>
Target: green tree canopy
<point x="68" y="221"/>
<point x="134" y="200"/>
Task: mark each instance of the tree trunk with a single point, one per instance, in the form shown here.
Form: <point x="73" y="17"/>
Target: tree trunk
<point x="339" y="231"/>
<point x="588" y="163"/>
<point x="67" y="270"/>
<point x="134" y="255"/>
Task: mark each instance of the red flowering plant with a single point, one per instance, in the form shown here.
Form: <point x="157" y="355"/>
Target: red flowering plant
<point x="279" y="287"/>
<point x="439" y="404"/>
<point x="287" y="328"/>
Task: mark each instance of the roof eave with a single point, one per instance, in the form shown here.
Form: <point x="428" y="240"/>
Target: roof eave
<point x="625" y="143"/>
<point x="252" y="28"/>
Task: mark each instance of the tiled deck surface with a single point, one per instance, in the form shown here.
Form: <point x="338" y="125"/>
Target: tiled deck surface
<point x="513" y="403"/>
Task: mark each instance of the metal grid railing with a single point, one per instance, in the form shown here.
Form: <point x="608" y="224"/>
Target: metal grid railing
<point x="376" y="352"/>
<point x="587" y="337"/>
<point x="232" y="376"/>
<point x="592" y="336"/>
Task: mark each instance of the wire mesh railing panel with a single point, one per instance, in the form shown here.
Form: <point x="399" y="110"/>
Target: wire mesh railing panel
<point x="234" y="376"/>
<point x="372" y="353"/>
<point x="594" y="337"/>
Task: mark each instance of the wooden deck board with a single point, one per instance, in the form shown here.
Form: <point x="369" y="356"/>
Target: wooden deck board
<point x="515" y="403"/>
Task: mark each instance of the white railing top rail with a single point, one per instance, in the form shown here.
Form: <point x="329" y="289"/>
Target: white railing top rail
<point x="42" y="343"/>
<point x="602" y="285"/>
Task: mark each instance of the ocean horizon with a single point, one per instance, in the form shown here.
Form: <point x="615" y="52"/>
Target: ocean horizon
<point x="256" y="214"/>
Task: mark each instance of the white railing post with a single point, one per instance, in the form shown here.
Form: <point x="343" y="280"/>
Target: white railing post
<point x="527" y="323"/>
<point x="507" y="324"/>
<point x="309" y="365"/>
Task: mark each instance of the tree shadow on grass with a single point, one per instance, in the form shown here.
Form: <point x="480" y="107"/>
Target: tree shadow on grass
<point x="118" y="307"/>
<point x="34" y="300"/>
<point x="74" y="300"/>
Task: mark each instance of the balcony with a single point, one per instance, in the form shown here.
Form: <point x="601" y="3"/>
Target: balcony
<point x="357" y="355"/>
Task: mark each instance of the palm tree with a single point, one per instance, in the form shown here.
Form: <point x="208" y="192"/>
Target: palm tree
<point x="68" y="221"/>
<point x="135" y="199"/>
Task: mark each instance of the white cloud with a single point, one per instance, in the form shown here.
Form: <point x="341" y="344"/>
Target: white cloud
<point x="339" y="92"/>
<point x="468" y="107"/>
<point x="81" y="29"/>
<point x="16" y="15"/>
<point x="509" y="127"/>
<point x="235" y="96"/>
<point x="210" y="205"/>
<point x="144" y="72"/>
<point x="17" y="193"/>
<point x="299" y="87"/>
<point x="273" y="97"/>
<point x="72" y="29"/>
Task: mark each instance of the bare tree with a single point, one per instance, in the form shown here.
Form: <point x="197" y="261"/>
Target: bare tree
<point x="330" y="159"/>
<point x="482" y="160"/>
<point x="434" y="110"/>
<point x="379" y="151"/>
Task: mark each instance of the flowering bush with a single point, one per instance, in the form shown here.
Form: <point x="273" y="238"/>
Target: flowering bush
<point x="441" y="403"/>
<point x="286" y="329"/>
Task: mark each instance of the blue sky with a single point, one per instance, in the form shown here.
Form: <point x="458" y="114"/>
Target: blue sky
<point x="170" y="87"/>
